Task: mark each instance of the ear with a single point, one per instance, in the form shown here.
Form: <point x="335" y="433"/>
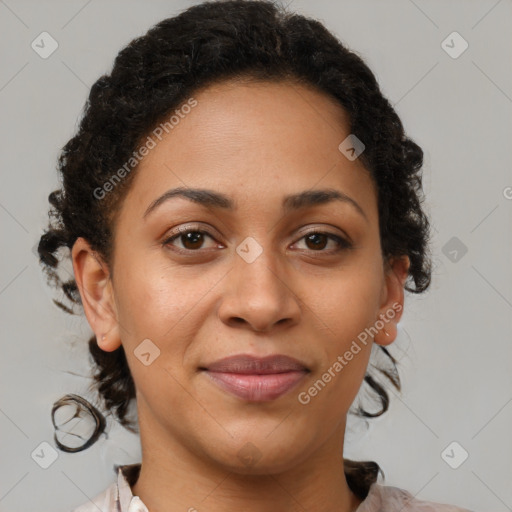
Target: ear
<point x="392" y="300"/>
<point x="93" y="280"/>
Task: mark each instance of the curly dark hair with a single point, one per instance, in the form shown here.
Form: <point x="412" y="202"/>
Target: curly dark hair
<point x="152" y="76"/>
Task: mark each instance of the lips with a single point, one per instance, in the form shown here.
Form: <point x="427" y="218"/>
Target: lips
<point x="248" y="364"/>
<point x="256" y="379"/>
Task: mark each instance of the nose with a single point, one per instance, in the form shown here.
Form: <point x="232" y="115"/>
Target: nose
<point x="259" y="295"/>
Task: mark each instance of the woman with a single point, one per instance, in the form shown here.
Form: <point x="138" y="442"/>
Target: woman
<point x="243" y="211"/>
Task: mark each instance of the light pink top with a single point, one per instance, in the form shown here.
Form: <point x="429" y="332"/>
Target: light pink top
<point x="118" y="497"/>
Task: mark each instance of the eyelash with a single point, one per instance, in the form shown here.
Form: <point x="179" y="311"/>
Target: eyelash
<point x="342" y="243"/>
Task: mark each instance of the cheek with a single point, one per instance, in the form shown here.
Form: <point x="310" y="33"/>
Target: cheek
<point x="347" y="303"/>
<point x="156" y="305"/>
<point x="152" y="300"/>
<point x="332" y="390"/>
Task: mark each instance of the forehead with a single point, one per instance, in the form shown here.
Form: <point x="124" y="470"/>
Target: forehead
<point x="238" y="112"/>
<point x="256" y="137"/>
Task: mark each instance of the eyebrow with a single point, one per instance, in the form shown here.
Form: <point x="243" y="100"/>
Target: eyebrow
<point x="293" y="202"/>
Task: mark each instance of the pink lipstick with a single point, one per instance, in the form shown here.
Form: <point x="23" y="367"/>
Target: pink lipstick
<point x="256" y="379"/>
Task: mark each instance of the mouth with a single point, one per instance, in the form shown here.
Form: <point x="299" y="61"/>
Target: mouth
<point x="256" y="379"/>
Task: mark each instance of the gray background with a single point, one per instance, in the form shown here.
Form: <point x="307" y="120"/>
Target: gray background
<point x="454" y="342"/>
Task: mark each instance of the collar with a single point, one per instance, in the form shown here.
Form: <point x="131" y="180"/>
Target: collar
<point x="125" y="500"/>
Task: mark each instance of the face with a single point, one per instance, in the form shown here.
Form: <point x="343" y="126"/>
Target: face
<point x="245" y="273"/>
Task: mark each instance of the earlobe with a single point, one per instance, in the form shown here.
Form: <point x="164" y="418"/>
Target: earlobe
<point x="109" y="341"/>
<point x="393" y="300"/>
<point x="95" y="287"/>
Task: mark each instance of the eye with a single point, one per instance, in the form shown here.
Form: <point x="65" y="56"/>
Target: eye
<point x="191" y="239"/>
<point x="317" y="241"/>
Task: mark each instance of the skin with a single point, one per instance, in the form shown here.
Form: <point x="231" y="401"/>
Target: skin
<point x="255" y="142"/>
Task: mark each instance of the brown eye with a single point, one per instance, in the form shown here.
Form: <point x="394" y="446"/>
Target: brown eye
<point x="317" y="241"/>
<point x="191" y="240"/>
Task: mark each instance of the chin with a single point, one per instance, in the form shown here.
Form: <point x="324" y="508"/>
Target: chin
<point x="259" y="456"/>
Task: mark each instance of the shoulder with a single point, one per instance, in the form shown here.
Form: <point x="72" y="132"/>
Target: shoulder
<point x="390" y="498"/>
<point x="103" y="502"/>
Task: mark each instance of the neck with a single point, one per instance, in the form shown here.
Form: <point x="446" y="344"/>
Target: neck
<point x="173" y="478"/>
